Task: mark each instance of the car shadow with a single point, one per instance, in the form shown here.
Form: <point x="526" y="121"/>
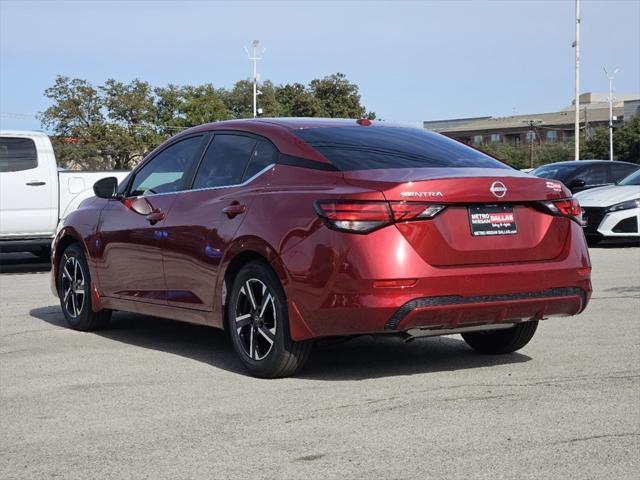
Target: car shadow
<point x="12" y="263"/>
<point x="357" y="359"/>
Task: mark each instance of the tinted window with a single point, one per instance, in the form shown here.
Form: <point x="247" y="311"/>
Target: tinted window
<point x="225" y="161"/>
<point x="263" y="155"/>
<point x="165" y="172"/>
<point x="365" y="148"/>
<point x="554" y="171"/>
<point x="620" y="170"/>
<point x="17" y="154"/>
<point x="594" y="175"/>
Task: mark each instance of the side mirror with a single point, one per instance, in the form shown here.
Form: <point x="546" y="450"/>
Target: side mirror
<point x="106" y="187"/>
<point x="576" y="184"/>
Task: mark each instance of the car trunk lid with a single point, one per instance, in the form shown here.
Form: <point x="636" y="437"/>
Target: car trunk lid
<point x="492" y="215"/>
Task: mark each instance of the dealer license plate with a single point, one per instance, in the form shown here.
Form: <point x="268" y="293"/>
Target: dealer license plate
<point x="487" y="220"/>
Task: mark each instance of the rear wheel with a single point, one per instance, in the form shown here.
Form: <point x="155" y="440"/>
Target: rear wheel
<point x="258" y="324"/>
<point x="74" y="289"/>
<point x="502" y="341"/>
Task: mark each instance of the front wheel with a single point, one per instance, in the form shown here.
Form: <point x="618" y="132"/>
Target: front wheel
<point x="258" y="324"/>
<point x="502" y="341"/>
<point x="74" y="290"/>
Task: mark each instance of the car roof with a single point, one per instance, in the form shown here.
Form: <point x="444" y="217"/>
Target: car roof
<point x="299" y="123"/>
<point x="587" y="162"/>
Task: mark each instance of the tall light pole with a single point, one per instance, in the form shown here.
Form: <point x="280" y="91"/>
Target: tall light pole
<point x="253" y="57"/>
<point x="611" y="77"/>
<point x="576" y="45"/>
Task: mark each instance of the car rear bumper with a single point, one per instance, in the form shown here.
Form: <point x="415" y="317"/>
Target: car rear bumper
<point x="457" y="312"/>
<point x="333" y="291"/>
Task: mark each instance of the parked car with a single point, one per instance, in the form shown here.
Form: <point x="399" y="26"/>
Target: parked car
<point x="283" y="231"/>
<point x="612" y="212"/>
<point x="34" y="194"/>
<point x="584" y="174"/>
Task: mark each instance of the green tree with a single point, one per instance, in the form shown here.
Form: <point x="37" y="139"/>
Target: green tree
<point x="297" y="101"/>
<point x="338" y="97"/>
<point x="239" y="100"/>
<point x="131" y="112"/>
<point x="76" y="120"/>
<point x="596" y="145"/>
<point x="626" y="141"/>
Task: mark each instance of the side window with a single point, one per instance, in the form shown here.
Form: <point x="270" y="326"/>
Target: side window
<point x="17" y="154"/>
<point x="225" y="161"/>
<point x="594" y="175"/>
<point x="165" y="172"/>
<point x="620" y="170"/>
<point x="263" y="155"/>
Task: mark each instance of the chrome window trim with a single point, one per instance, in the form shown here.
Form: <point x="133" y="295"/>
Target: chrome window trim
<point x="246" y="182"/>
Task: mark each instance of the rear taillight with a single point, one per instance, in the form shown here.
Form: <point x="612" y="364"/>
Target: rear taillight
<point x="404" y="211"/>
<point x="357" y="216"/>
<point x="567" y="207"/>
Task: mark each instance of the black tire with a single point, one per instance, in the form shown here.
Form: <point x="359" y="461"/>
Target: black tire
<point x="258" y="324"/>
<point x="74" y="290"/>
<point x="496" y="342"/>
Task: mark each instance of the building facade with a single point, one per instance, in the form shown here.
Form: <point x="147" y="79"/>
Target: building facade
<point x="541" y="127"/>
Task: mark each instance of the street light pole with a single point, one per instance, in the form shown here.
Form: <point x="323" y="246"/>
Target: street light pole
<point x="611" y="77"/>
<point x="576" y="45"/>
<point x="253" y="57"/>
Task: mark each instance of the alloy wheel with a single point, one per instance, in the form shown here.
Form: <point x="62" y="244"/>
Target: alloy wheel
<point x="256" y="319"/>
<point x="73" y="287"/>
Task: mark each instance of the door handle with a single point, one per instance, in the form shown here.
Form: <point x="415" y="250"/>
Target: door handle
<point x="155" y="217"/>
<point x="236" y="208"/>
<point x="35" y="183"/>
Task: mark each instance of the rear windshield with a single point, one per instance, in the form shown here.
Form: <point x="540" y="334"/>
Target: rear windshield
<point x="367" y="148"/>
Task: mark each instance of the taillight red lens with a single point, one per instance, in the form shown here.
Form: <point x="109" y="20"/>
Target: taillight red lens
<point x="404" y="211"/>
<point x="367" y="216"/>
<point x="567" y="207"/>
<point x="354" y="216"/>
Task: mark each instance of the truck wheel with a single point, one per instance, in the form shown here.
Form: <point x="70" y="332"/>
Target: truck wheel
<point x="258" y="324"/>
<point x="502" y="341"/>
<point x="74" y="290"/>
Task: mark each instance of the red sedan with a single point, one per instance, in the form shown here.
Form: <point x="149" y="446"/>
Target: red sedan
<point x="282" y="231"/>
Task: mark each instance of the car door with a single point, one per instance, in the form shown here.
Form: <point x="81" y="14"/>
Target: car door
<point x="590" y="176"/>
<point x="204" y="220"/>
<point x="131" y="230"/>
<point x="28" y="197"/>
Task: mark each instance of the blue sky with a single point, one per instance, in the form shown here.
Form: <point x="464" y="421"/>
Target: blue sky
<point x="413" y="61"/>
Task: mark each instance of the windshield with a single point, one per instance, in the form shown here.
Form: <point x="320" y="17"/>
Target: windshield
<point x="367" y="148"/>
<point x="633" y="179"/>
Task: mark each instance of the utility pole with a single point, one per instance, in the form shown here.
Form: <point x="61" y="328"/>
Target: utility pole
<point x="611" y="77"/>
<point x="532" y="133"/>
<point x="253" y="57"/>
<point x="576" y="45"/>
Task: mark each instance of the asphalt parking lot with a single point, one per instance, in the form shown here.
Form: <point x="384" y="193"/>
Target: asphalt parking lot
<point x="151" y="398"/>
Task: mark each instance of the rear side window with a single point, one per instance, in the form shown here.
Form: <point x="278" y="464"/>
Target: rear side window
<point x="593" y="175"/>
<point x="554" y="171"/>
<point x="225" y="161"/>
<point x="17" y="154"/>
<point x="367" y="148"/>
<point x="165" y="172"/>
<point x="263" y="155"/>
<point x="620" y="170"/>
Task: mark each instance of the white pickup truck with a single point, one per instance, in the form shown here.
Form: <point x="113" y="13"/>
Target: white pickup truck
<point x="34" y="194"/>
